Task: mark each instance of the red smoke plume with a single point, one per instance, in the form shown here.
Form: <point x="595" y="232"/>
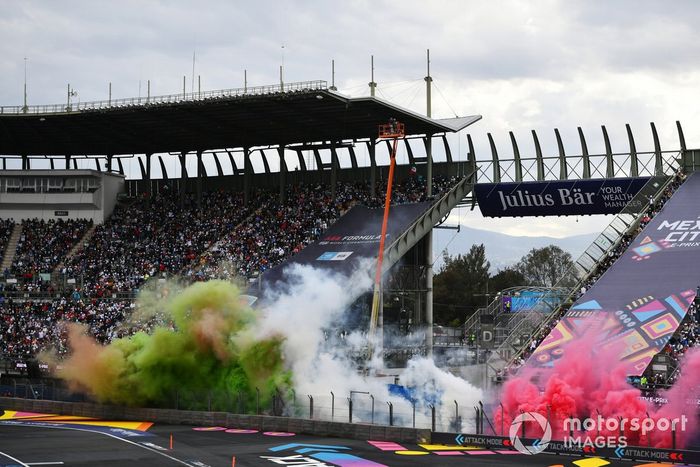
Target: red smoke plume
<point x="589" y="381"/>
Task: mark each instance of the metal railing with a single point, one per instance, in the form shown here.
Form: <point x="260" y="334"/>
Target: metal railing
<point x="356" y="406"/>
<point x="669" y="161"/>
<point x="441" y="416"/>
<point x="70" y="107"/>
<point x="19" y="295"/>
<point x="495" y="308"/>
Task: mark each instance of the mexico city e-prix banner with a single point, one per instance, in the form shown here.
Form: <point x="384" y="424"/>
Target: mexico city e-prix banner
<point x="640" y="301"/>
<point x="351" y="239"/>
<point x="557" y="198"/>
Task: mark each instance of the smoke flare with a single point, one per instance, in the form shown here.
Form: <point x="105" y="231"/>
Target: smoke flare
<point x="198" y="343"/>
<point x="586" y="383"/>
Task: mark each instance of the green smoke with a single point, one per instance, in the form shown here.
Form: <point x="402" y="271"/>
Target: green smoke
<point x="202" y="349"/>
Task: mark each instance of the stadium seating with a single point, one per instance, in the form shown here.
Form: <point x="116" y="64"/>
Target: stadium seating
<point x="167" y="235"/>
<point x="275" y="232"/>
<point x="171" y="235"/>
<point x="28" y="327"/>
<point x="43" y="244"/>
<point x="6" y="226"/>
<point x="151" y="236"/>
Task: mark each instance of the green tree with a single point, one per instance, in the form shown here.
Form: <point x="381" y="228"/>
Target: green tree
<point x="506" y="278"/>
<point x="454" y="287"/>
<point x="546" y="267"/>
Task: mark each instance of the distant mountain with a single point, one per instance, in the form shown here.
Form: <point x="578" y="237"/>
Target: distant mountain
<point x="502" y="250"/>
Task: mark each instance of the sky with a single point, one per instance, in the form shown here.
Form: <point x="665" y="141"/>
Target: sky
<point x="522" y="65"/>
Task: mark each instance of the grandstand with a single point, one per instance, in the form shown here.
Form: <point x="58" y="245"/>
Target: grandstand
<point x="100" y="199"/>
<point x="234" y="214"/>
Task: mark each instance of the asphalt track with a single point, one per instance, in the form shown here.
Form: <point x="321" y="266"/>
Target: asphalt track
<point x="22" y="444"/>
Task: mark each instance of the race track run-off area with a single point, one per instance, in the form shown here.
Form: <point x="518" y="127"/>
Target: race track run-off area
<point x="28" y="439"/>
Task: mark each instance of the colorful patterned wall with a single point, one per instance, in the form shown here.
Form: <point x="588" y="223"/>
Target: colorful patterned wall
<point x="639" y="302"/>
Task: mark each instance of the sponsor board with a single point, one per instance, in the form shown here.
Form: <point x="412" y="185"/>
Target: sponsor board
<point x="350" y="241"/>
<point x="657" y="400"/>
<point x="334" y="256"/>
<point x="560" y="447"/>
<point x="557" y="198"/>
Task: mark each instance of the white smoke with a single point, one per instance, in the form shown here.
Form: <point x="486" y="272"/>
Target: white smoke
<point x="324" y="363"/>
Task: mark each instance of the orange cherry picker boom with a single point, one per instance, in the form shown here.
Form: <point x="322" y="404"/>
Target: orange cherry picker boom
<point x="392" y="130"/>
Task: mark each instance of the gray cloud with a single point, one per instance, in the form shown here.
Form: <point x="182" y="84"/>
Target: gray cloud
<point x="521" y="64"/>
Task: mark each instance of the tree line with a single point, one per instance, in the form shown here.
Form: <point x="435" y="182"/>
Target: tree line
<point x="464" y="283"/>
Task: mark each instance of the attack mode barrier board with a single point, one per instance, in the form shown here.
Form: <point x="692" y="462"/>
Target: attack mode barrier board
<point x="557" y="198"/>
<point x="638" y="453"/>
<point x="639" y="302"/>
<point x="352" y="239"/>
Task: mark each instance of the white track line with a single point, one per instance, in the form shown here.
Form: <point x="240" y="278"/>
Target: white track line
<point x="45" y="463"/>
<point x="13" y="459"/>
<point x="99" y="433"/>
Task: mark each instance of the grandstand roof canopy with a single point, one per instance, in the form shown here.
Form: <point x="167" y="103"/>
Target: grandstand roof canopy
<point x="302" y="113"/>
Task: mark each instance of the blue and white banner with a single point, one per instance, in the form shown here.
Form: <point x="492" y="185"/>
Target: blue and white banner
<point x="557" y="198"/>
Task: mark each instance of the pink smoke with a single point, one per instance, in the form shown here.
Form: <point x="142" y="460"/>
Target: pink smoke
<point x="682" y="397"/>
<point x="590" y="381"/>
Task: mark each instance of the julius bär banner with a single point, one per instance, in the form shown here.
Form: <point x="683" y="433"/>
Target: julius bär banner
<point x="643" y="297"/>
<point x="557" y="198"/>
<point x="352" y="239"/>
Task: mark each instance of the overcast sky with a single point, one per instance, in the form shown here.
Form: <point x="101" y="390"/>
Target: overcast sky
<point x="521" y="64"/>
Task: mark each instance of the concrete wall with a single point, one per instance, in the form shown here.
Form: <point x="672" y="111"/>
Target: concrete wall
<point x="97" y="205"/>
<point x="199" y="418"/>
<point x="111" y="187"/>
<point x="48" y="212"/>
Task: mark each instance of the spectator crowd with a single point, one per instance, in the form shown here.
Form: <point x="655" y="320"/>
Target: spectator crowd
<point x="27" y="327"/>
<point x="165" y="235"/>
<point x="151" y="236"/>
<point x="43" y="244"/>
<point x="6" y="226"/>
<point x="685" y="338"/>
<point x="217" y="236"/>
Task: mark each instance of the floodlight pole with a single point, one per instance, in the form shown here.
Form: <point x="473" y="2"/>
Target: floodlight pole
<point x="393" y="130"/>
<point x="194" y="52"/>
<point x="333" y="88"/>
<point x="25" y="108"/>
<point x="372" y="84"/>
<point x="429" y="193"/>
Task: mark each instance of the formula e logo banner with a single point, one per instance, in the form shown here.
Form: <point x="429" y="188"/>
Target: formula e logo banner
<point x="352" y="240"/>
<point x="557" y="198"/>
<point x="334" y="256"/>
